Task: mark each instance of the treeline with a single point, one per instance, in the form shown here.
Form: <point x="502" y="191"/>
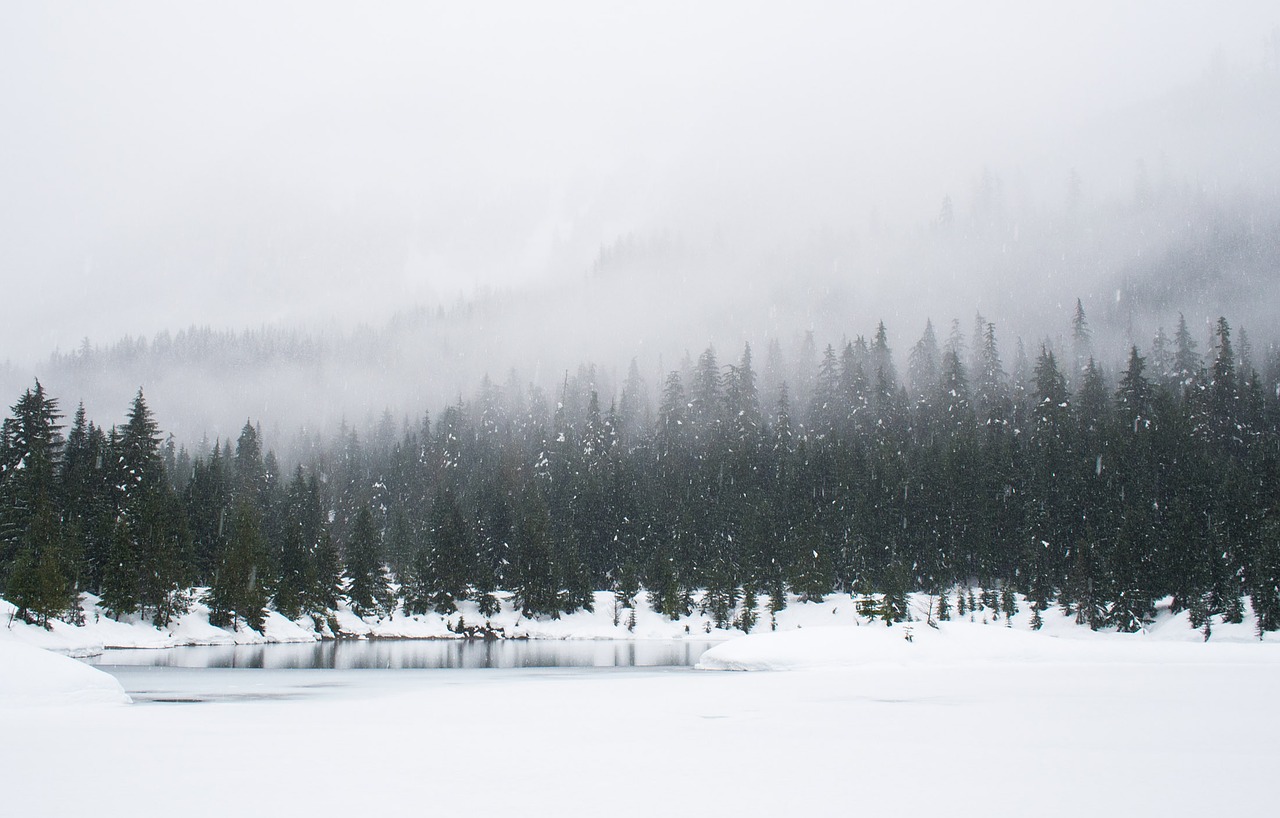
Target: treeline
<point x="1098" y="493"/>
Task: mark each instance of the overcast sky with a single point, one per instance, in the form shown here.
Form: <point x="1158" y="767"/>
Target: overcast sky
<point x="165" y="164"/>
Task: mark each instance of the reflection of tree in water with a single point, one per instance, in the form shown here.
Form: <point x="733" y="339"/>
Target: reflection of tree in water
<point x="418" y="654"/>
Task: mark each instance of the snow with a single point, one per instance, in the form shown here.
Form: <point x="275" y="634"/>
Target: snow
<point x="966" y="719"/>
<point x="952" y="644"/>
<point x="101" y="631"/>
<point x="31" y="677"/>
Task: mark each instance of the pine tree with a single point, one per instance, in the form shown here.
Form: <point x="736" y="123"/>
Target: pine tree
<point x="369" y="590"/>
<point x="120" y="595"/>
<point x="34" y="571"/>
<point x="705" y="395"/>
<point x="328" y="579"/>
<point x="535" y="579"/>
<point x="237" y="592"/>
<point x="747" y="618"/>
<point x="1186" y="363"/>
<point x="944" y="607"/>
<point x="297" y="539"/>
<point x="626" y="586"/>
<point x="444" y="566"/>
<point x="634" y="409"/>
<point x="1081" y="338"/>
<point x="924" y="364"/>
<point x="150" y="553"/>
<point x="1223" y="389"/>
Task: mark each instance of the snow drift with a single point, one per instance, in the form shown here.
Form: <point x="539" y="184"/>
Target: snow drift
<point x="33" y="676"/>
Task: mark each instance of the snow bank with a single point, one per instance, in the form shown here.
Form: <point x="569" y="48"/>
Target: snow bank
<point x="815" y="647"/>
<point x="31" y="676"/>
<point x="964" y="643"/>
<point x="607" y="621"/>
<point x="101" y="631"/>
<point x="602" y="622"/>
<point x="874" y="643"/>
<point x="989" y="739"/>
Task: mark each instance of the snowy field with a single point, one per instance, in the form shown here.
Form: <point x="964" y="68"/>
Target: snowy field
<point x="963" y="720"/>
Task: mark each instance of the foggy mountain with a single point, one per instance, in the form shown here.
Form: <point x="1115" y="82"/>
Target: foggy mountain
<point x="1136" y="264"/>
<point x="906" y="345"/>
<point x="310" y="240"/>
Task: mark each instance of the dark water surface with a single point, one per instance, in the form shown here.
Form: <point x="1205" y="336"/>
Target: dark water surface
<point x="351" y="654"/>
<point x="249" y="674"/>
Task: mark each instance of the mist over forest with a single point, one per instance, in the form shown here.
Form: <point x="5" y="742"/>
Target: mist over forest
<point x="1137" y="262"/>
<point x="519" y="368"/>
<point x="312" y="241"/>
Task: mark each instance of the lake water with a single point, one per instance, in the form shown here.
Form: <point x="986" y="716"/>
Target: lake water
<point x="396" y="654"/>
<point x="258" y="673"/>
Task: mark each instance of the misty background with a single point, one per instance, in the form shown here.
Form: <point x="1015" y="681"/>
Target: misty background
<point x="305" y="213"/>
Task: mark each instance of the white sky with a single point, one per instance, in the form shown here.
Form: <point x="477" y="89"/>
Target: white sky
<point x="166" y="164"/>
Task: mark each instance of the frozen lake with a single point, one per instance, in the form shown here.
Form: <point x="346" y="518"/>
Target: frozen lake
<point x="396" y="654"/>
<point x="305" y="670"/>
<point x="1057" y="726"/>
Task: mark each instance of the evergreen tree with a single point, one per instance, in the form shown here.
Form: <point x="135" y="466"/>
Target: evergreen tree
<point x="35" y="572"/>
<point x="328" y="581"/>
<point x="1186" y="363"/>
<point x="298" y="538"/>
<point x="535" y="580"/>
<point x="237" y="592"/>
<point x="989" y="395"/>
<point x="446" y="563"/>
<point x="924" y="364"/>
<point x="150" y="552"/>
<point x="1081" y="337"/>
<point x="369" y="589"/>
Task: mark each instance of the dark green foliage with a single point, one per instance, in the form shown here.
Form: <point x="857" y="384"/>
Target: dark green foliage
<point x="296" y="539"/>
<point x="627" y="585"/>
<point x="40" y="587"/>
<point x="1102" y="493"/>
<point x="237" y="592"/>
<point x="1008" y="601"/>
<point x="34" y="570"/>
<point x="489" y="604"/>
<point x="944" y="607"/>
<point x="444" y="563"/>
<point x="894" y="602"/>
<point x="535" y="574"/>
<point x="747" y="618"/>
<point x="369" y="587"/>
<point x="665" y="594"/>
<point x="326" y="578"/>
<point x="149" y="558"/>
<point x="119" y="580"/>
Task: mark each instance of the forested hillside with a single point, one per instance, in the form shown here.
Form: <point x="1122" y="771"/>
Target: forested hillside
<point x="1097" y="490"/>
<point x="1135" y="260"/>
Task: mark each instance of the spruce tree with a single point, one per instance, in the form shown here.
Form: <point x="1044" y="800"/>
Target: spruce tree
<point x="34" y="570"/>
<point x="328" y="582"/>
<point x="369" y="590"/>
<point x="237" y="592"/>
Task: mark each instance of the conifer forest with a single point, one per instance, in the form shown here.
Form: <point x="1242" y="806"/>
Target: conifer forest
<point x="1096" y="486"/>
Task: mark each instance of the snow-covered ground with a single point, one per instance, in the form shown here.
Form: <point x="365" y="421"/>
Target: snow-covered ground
<point x="193" y="628"/>
<point x="31" y="677"/>
<point x="966" y="719"/>
<point x="606" y="621"/>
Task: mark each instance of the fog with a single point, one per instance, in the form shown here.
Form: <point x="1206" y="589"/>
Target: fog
<point x="536" y="186"/>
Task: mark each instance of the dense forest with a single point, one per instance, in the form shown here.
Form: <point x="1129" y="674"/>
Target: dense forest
<point x="1098" y="490"/>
